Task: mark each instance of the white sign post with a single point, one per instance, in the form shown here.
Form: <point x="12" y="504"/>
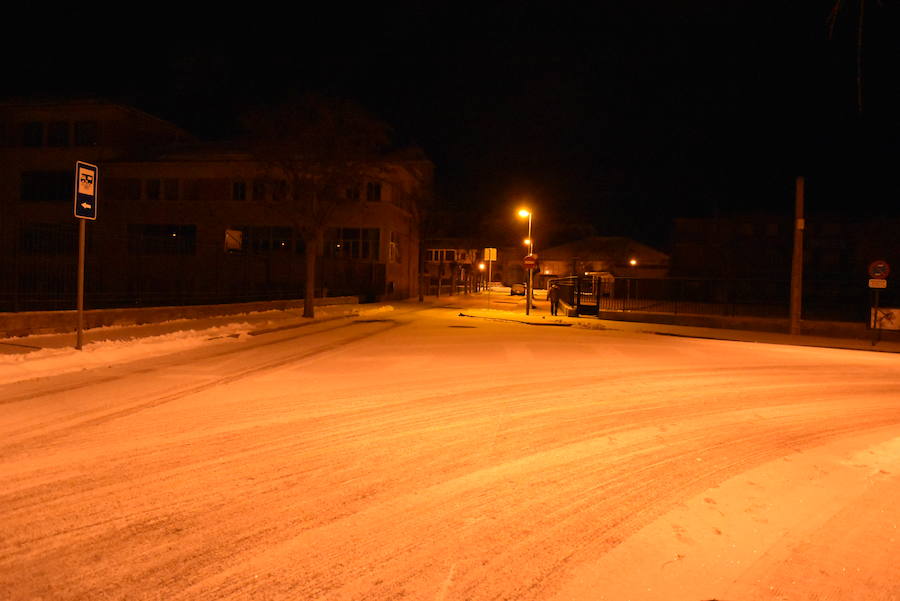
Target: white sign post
<point x="490" y="255"/>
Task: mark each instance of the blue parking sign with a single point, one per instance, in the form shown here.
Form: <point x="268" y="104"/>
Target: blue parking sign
<point x="86" y="184"/>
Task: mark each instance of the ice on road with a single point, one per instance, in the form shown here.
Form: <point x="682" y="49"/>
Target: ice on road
<point x="415" y="453"/>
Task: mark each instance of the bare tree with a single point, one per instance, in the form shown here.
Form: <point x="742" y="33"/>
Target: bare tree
<point x="314" y="149"/>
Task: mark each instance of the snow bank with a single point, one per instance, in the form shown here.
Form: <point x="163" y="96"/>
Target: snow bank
<point x="53" y="361"/>
<point x="151" y="341"/>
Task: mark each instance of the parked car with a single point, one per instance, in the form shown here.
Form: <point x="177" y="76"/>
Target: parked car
<point x="517" y="290"/>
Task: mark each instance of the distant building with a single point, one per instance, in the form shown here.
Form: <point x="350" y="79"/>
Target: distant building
<point x="761" y="246"/>
<point x="180" y="221"/>
<point x="451" y="265"/>
<point x="758" y="249"/>
<point x="618" y="256"/>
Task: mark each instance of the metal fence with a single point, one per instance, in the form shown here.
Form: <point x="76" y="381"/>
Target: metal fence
<point x="39" y="272"/>
<point x="826" y="300"/>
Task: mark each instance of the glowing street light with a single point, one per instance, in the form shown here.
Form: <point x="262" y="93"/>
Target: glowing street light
<point x="530" y="242"/>
<point x="523" y="213"/>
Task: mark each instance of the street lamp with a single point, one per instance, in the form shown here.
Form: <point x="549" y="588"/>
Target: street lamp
<point x="530" y="242"/>
<point x="526" y="213"/>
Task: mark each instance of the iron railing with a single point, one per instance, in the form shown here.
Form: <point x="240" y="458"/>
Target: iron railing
<point x="827" y="300"/>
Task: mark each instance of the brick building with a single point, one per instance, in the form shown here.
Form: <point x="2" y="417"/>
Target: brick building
<point x="182" y="221"/>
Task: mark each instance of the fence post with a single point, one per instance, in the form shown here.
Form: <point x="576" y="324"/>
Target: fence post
<point x="679" y="289"/>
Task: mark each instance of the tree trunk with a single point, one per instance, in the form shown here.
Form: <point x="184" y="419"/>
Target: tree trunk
<point x="309" y="295"/>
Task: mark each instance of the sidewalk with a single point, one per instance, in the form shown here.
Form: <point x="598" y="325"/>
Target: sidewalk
<point x="246" y="322"/>
<point x="476" y="304"/>
<point x="502" y="306"/>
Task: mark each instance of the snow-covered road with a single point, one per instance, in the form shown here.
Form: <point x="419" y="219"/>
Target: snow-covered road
<point x="420" y="454"/>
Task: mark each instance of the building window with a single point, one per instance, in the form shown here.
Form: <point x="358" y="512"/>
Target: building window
<point x="49" y="238"/>
<point x="353" y="243"/>
<point x="152" y="189"/>
<point x="440" y="255"/>
<point x="239" y="190"/>
<point x="33" y="134"/>
<point x="86" y="133"/>
<point x="154" y="239"/>
<point x="281" y="239"/>
<point x="58" y="134"/>
<point x="279" y="190"/>
<point x="352" y="193"/>
<point x="258" y="239"/>
<point x="122" y="188"/>
<point x="47" y="186"/>
<point x="132" y="188"/>
<point x="394" y="248"/>
<point x="373" y="192"/>
<point x="234" y="240"/>
<point x="170" y="189"/>
<point x="259" y="189"/>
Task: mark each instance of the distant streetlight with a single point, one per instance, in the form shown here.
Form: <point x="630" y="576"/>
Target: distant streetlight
<point x="632" y="262"/>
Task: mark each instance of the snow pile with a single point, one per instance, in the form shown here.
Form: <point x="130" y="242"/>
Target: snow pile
<point x="153" y="340"/>
<point x="54" y="361"/>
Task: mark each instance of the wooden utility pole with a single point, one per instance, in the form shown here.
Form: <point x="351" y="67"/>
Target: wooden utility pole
<point x="797" y="262"/>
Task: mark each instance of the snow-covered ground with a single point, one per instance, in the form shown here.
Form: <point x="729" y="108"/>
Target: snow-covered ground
<point x="446" y="451"/>
<point x="48" y="355"/>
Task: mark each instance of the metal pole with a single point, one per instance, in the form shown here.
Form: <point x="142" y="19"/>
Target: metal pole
<point x="79" y="336"/>
<point x="530" y="271"/>
<point x="875" y="321"/>
<point x="490" y="264"/>
<point x="797" y="262"/>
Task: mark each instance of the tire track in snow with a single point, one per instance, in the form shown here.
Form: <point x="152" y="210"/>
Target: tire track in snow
<point x="90" y="419"/>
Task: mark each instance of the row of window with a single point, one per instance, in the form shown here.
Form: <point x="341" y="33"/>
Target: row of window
<point x="353" y="243"/>
<point x="56" y="134"/>
<point x="57" y="186"/>
<point x="450" y="255"/>
<point x="170" y="239"/>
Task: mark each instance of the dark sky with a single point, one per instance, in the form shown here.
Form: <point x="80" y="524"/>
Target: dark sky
<point x="620" y="115"/>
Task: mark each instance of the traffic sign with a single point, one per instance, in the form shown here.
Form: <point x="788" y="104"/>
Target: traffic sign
<point x="879" y="270"/>
<point x="490" y="254"/>
<point x="86" y="184"/>
<point x="530" y="261"/>
<point x="877" y="283"/>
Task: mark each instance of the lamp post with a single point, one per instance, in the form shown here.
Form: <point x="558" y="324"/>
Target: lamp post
<point x="530" y="242"/>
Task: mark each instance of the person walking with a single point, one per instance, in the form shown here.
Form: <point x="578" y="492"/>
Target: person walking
<point x="553" y="296"/>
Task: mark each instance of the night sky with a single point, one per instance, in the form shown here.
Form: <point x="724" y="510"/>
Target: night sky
<point x="616" y="115"/>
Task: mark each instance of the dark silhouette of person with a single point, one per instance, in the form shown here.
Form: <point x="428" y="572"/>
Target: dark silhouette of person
<point x="553" y="296"/>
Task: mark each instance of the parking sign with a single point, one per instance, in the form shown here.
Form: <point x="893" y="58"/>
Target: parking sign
<point x="86" y="184"/>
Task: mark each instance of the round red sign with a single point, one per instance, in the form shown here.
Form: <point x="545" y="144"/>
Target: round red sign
<point x="530" y="261"/>
<point x="879" y="269"/>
